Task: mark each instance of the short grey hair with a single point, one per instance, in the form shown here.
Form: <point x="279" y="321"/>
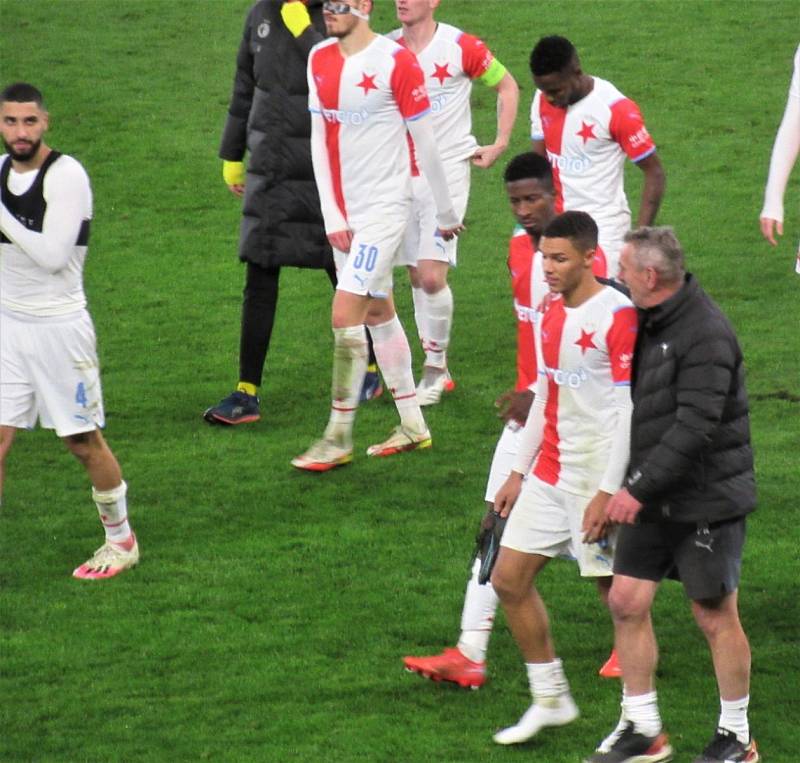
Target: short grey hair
<point x="658" y="248"/>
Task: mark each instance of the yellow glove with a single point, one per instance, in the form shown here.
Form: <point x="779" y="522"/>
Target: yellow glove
<point x="295" y="16"/>
<point x="233" y="172"/>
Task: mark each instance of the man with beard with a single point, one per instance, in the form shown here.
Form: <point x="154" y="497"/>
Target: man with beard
<point x="48" y="359"/>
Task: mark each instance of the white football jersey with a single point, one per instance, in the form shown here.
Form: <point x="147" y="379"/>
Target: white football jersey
<point x="583" y="353"/>
<point x="450" y="61"/>
<point x="587" y="143"/>
<point x="365" y="100"/>
<point x="42" y="255"/>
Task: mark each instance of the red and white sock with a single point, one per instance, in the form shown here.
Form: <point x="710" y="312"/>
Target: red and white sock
<point x="394" y="359"/>
<point x="113" y="509"/>
<point x="349" y="366"/>
<point x="439" y="320"/>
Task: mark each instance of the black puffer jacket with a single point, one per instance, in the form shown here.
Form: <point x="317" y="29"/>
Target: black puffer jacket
<point x="268" y="115"/>
<point x="691" y="458"/>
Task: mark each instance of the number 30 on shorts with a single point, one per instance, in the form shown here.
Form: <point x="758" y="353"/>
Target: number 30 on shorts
<point x="365" y="257"/>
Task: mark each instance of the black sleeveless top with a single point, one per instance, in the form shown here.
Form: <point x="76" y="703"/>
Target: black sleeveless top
<point x="29" y="208"/>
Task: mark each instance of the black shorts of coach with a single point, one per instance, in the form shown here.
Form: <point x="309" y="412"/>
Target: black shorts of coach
<point x="706" y="558"/>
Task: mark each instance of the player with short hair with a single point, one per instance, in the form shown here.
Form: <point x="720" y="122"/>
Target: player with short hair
<point x="529" y="185"/>
<point x="586" y="127"/>
<point x="48" y="356"/>
<point x="451" y="60"/>
<point x="366" y="93"/>
<point x="784" y="154"/>
<point x="573" y="449"/>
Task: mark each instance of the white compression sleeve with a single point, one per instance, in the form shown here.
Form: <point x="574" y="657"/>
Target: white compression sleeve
<point x="429" y="161"/>
<point x="620" y="442"/>
<point x="784" y="151"/>
<point x="66" y="190"/>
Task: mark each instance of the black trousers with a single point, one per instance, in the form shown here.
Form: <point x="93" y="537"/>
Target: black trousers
<point x="258" y="317"/>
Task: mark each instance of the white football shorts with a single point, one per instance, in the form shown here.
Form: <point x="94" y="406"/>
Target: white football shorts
<point x="49" y="371"/>
<point x="420" y="241"/>
<point x="505" y="454"/>
<point x="546" y="520"/>
<point x="367" y="268"/>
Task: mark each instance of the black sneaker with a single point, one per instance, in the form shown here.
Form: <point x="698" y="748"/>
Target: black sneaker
<point x="725" y="747"/>
<point x="237" y="408"/>
<point x="631" y="747"/>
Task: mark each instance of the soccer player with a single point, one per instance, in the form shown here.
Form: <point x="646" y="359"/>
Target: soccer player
<point x="683" y="509"/>
<point x="529" y="185"/>
<point x="281" y="219"/>
<point x="784" y="155"/>
<point x="48" y="357"/>
<point x="450" y="60"/>
<point x="366" y="94"/>
<point x="573" y="449"/>
<point x="586" y="128"/>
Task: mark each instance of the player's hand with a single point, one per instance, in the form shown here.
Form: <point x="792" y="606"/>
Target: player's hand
<point x="341" y="240"/>
<point x="295" y="17"/>
<point x="233" y="173"/>
<point x="485" y="156"/>
<point x="623" y="508"/>
<point x="594" y="524"/>
<point x="514" y="405"/>
<point x="450" y="233"/>
<point x="507" y="495"/>
<point x="768" y="228"/>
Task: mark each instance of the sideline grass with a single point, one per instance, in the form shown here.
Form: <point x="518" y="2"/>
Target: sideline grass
<point x="271" y="608"/>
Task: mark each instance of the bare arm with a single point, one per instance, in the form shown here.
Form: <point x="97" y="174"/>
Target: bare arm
<point x="507" y="104"/>
<point x="653" y="189"/>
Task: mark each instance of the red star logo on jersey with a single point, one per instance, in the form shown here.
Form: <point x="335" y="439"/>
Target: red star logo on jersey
<point x="586" y="132"/>
<point x="585" y="342"/>
<point x="368" y="83"/>
<point x="440" y="73"/>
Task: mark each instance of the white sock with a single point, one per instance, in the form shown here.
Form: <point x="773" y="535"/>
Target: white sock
<point x="113" y="510"/>
<point x="420" y="313"/>
<point x="439" y="309"/>
<point x="477" y="617"/>
<point x="733" y="717"/>
<point x="349" y="367"/>
<point x="394" y="359"/>
<point x="642" y="711"/>
<point x="547" y="681"/>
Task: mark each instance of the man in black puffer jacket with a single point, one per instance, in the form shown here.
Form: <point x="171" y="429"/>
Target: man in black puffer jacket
<point x="281" y="223"/>
<point x="682" y="511"/>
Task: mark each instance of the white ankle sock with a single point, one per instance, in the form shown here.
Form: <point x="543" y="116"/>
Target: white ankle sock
<point x="113" y="509"/>
<point x="642" y="711"/>
<point x="349" y="367"/>
<point x="733" y="717"/>
<point x="547" y="681"/>
<point x="394" y="359"/>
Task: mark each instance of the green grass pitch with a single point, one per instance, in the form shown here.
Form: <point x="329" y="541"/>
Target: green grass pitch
<point x="271" y="608"/>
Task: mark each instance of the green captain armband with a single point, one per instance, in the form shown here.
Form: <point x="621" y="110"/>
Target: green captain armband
<point x="493" y="74"/>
